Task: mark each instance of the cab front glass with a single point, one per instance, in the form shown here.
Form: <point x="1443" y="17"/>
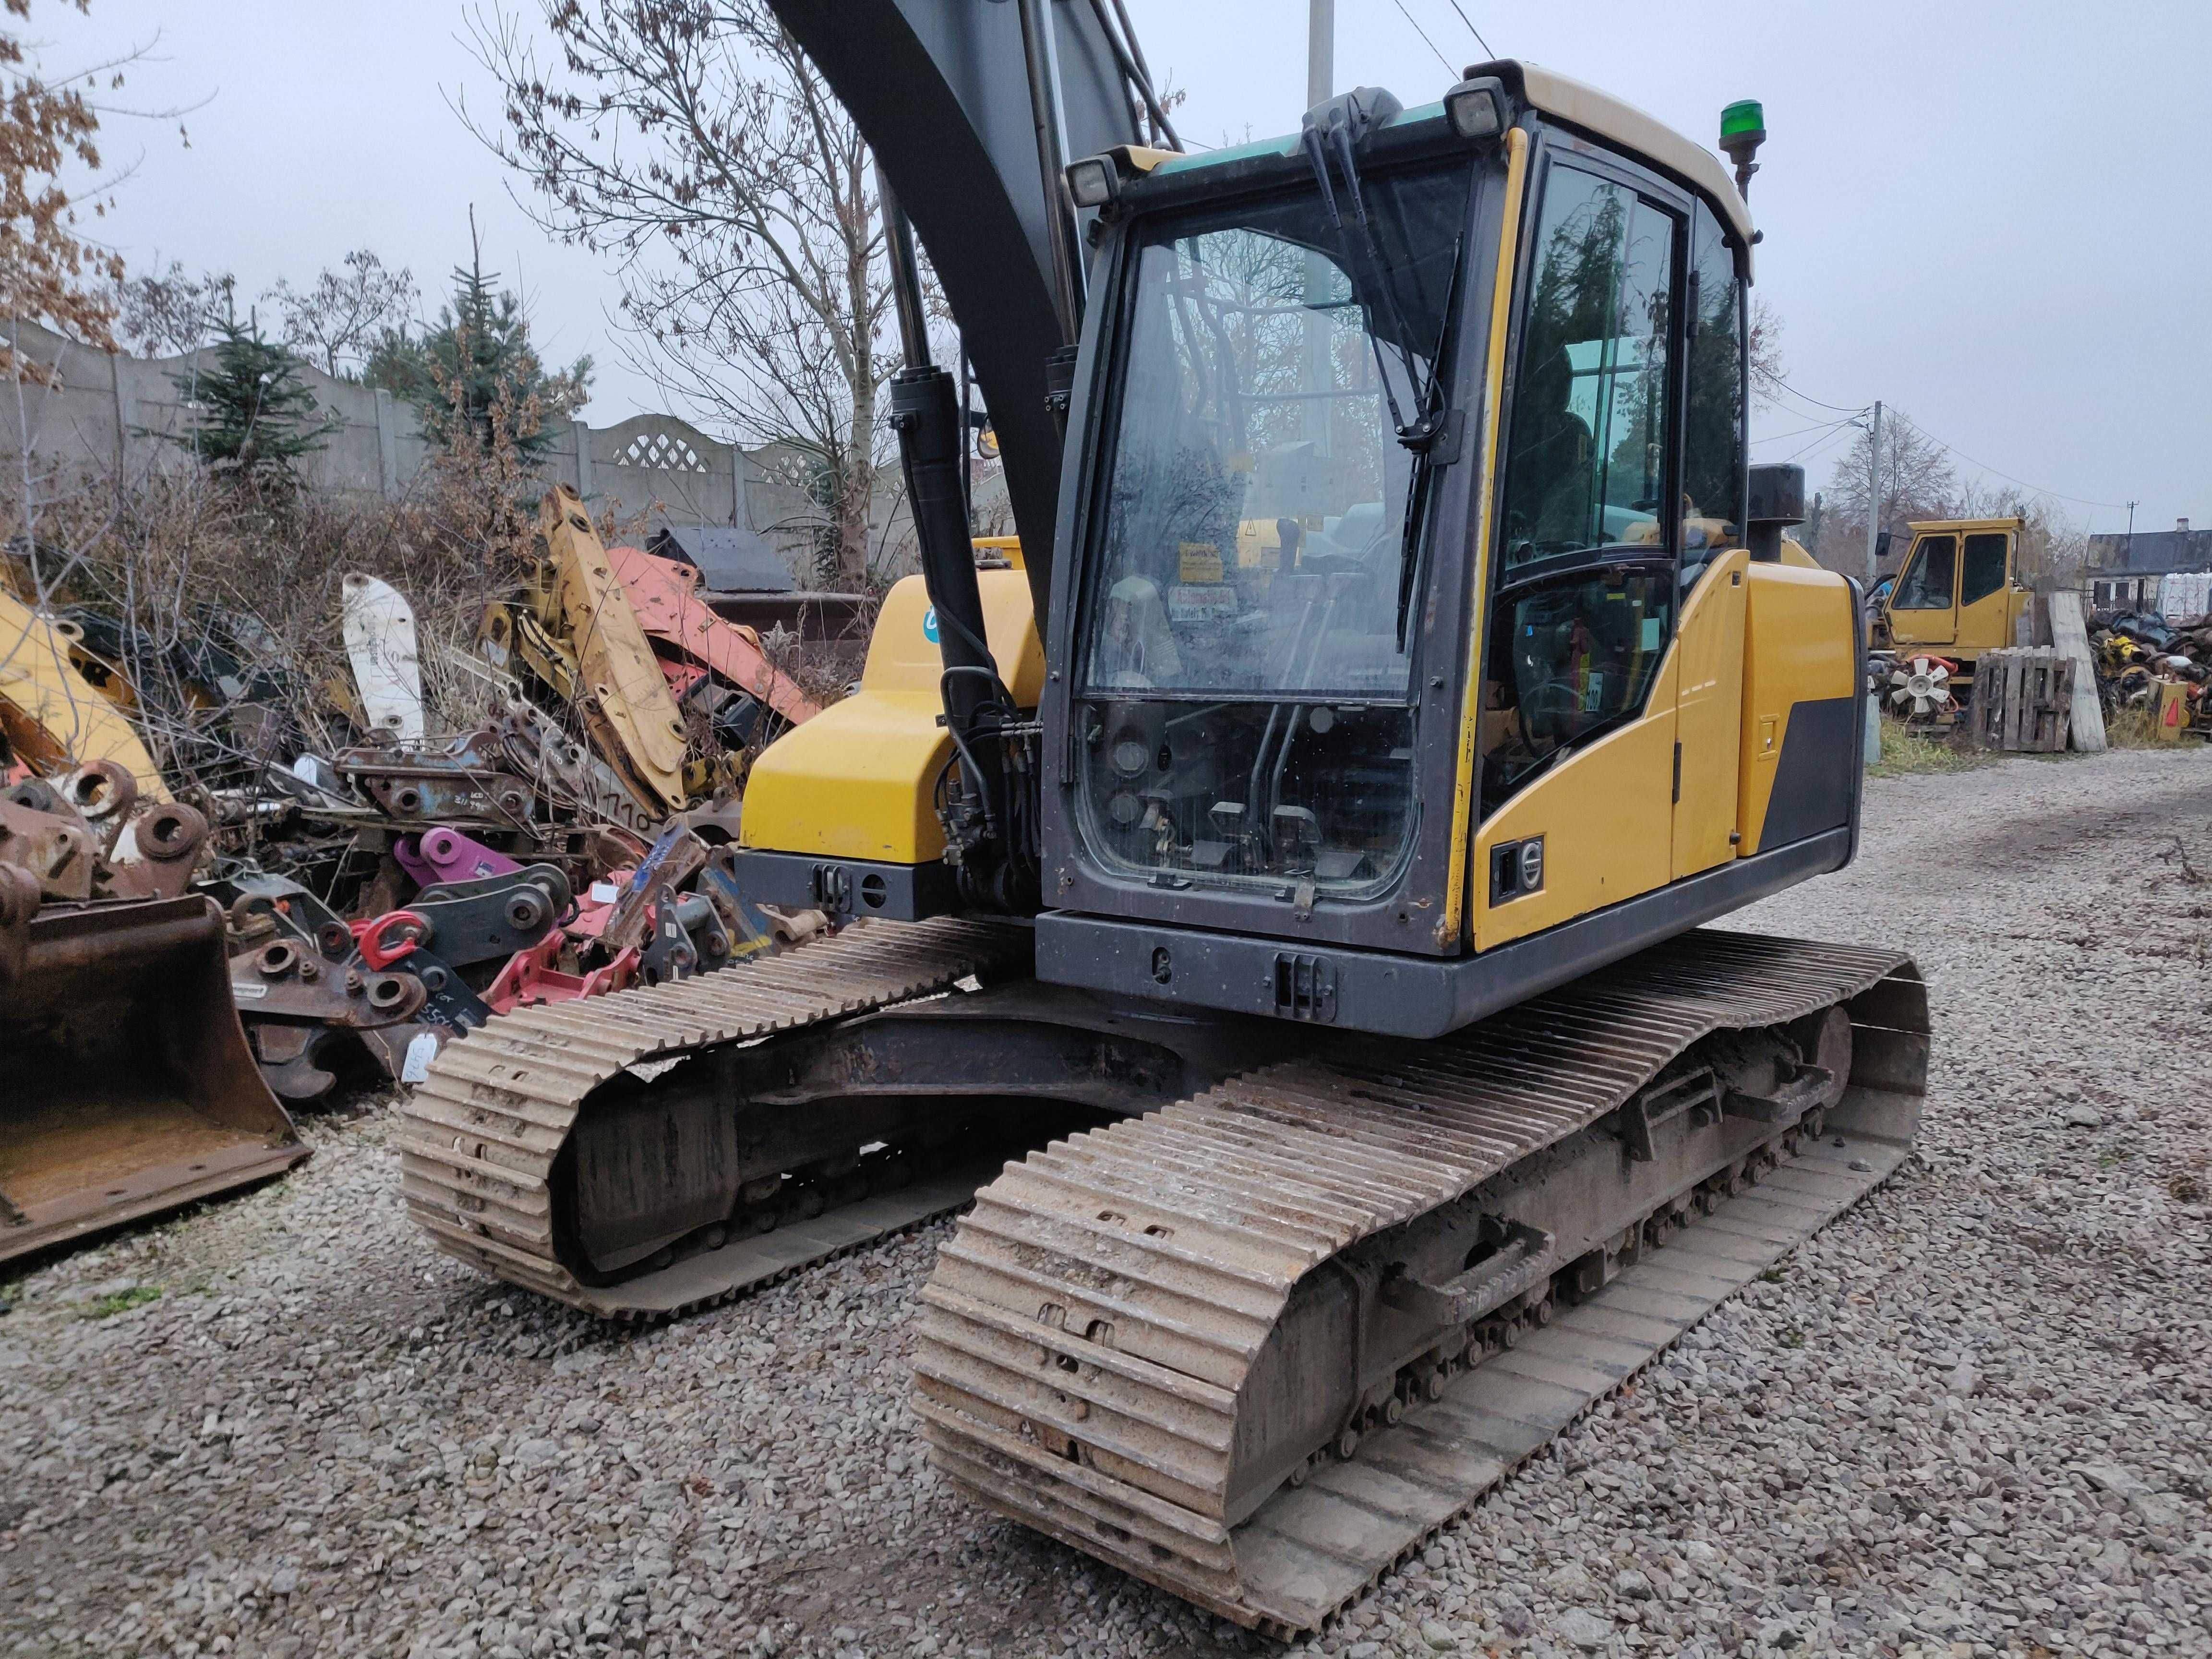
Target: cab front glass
<point x="1245" y="712"/>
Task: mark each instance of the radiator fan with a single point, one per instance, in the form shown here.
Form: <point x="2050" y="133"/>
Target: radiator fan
<point x="1921" y="689"/>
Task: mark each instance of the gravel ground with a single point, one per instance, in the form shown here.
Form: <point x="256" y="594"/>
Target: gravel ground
<point x="1969" y="1419"/>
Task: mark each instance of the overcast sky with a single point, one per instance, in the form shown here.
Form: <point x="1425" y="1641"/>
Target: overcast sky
<point x="1969" y="207"/>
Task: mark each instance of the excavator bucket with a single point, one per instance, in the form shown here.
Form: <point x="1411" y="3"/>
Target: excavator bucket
<point x="129" y="1089"/>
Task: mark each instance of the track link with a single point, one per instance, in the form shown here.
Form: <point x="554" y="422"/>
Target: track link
<point x="1098" y="1327"/>
<point x="481" y="1135"/>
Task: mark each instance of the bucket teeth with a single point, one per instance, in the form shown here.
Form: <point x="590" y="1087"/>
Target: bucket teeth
<point x="1105" y="1328"/>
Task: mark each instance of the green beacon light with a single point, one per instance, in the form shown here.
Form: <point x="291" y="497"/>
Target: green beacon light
<point x="1743" y="130"/>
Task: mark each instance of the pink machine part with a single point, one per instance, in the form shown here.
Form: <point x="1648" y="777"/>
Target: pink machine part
<point x="531" y="977"/>
<point x="443" y="855"/>
<point x="664" y="593"/>
<point x="592" y="911"/>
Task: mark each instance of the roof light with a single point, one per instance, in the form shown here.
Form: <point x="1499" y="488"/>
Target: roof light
<point x="1094" y="182"/>
<point x="1743" y="130"/>
<point x="1478" y="109"/>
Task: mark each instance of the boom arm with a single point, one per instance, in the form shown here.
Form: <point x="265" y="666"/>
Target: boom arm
<point x="940" y="89"/>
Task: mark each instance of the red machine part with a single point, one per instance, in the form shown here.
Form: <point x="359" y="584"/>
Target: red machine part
<point x="664" y="594"/>
<point x="384" y="939"/>
<point x="534" y="976"/>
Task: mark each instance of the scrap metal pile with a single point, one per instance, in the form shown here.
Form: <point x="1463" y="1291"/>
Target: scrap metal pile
<point x="2157" y="665"/>
<point x="358" y="910"/>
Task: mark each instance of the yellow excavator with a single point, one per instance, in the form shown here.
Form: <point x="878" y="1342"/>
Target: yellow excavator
<point x="1299" y="851"/>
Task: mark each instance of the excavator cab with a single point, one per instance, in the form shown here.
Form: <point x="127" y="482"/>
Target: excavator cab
<point x="1409" y="643"/>
<point x="1406" y="609"/>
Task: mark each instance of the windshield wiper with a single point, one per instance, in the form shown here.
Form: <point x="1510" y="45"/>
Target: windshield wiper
<point x="1367" y="107"/>
<point x="1437" y="413"/>
<point x="1369" y="267"/>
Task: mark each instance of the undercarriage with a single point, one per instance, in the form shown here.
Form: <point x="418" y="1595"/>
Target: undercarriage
<point x="1262" y="1306"/>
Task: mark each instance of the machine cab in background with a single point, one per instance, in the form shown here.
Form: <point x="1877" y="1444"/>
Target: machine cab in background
<point x="1957" y="593"/>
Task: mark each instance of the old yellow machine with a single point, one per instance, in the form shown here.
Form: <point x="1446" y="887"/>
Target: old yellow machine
<point x="1958" y="593"/>
<point x="1307" y="840"/>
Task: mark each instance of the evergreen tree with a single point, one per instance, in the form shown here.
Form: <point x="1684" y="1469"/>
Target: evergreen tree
<point x="474" y="375"/>
<point x="252" y="414"/>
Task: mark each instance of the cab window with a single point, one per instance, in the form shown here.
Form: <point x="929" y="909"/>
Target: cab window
<point x="1712" y="439"/>
<point x="1584" y="605"/>
<point x="1569" y="658"/>
<point x="1984" y="571"/>
<point x="1585" y="462"/>
<point x="1927" y="585"/>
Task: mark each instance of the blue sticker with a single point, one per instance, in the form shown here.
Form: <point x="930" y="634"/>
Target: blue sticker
<point x="929" y="624"/>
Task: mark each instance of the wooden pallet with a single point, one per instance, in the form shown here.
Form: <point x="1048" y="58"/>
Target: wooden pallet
<point x="2023" y="700"/>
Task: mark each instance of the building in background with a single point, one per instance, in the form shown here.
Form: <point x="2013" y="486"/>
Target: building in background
<point x="2123" y="569"/>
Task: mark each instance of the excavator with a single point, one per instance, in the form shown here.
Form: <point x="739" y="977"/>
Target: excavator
<point x="1272" y="894"/>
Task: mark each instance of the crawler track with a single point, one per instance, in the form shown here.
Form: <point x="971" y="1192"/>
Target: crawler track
<point x="482" y="1135"/>
<point x="1105" y="1330"/>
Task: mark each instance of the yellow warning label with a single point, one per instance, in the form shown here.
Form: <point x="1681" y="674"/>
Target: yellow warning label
<point x="1202" y="562"/>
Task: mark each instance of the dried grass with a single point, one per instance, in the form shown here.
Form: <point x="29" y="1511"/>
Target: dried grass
<point x="187" y="561"/>
<point x="1906" y="753"/>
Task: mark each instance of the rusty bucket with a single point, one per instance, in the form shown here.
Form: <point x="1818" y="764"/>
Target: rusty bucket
<point x="126" y="1087"/>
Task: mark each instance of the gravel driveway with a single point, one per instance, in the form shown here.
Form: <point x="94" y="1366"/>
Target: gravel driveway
<point x="1969" y="1419"/>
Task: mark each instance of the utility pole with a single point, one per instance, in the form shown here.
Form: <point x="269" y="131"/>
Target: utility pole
<point x="1317" y="373"/>
<point x="2128" y="558"/>
<point x="1874" y="488"/>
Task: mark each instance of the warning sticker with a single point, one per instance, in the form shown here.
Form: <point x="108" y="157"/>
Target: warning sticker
<point x="1200" y="561"/>
<point x="1213" y="602"/>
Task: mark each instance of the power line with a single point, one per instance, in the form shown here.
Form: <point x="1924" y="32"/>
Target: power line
<point x="1784" y="385"/>
<point x="1834" y="433"/>
<point x="1424" y="34"/>
<point x="1820" y="426"/>
<point x="2057" y="495"/>
<point x="2060" y="494"/>
<point x="1472" y="30"/>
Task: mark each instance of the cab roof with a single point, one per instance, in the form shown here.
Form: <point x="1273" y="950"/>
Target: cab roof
<point x="1559" y="98"/>
<point x="1604" y="116"/>
<point x="1922" y="527"/>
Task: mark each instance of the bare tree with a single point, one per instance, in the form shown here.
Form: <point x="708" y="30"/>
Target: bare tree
<point x="337" y="320"/>
<point x="51" y="273"/>
<point x="167" y="313"/>
<point x="1914" y="478"/>
<point x="1765" y="350"/>
<point x="693" y="140"/>
<point x="49" y="133"/>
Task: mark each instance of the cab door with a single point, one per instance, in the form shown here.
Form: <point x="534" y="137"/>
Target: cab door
<point x="1708" y="716"/>
<point x="1985" y="610"/>
<point x="1709" y="639"/>
<point x="1924" y="608"/>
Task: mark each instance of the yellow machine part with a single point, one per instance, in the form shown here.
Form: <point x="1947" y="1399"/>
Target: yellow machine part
<point x="1755" y="640"/>
<point x="1796" y="648"/>
<point x="615" y="658"/>
<point x="1603" y="815"/>
<point x="51" y="716"/>
<point x="1963" y="631"/>
<point x="858" y="781"/>
<point x="1008" y="548"/>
